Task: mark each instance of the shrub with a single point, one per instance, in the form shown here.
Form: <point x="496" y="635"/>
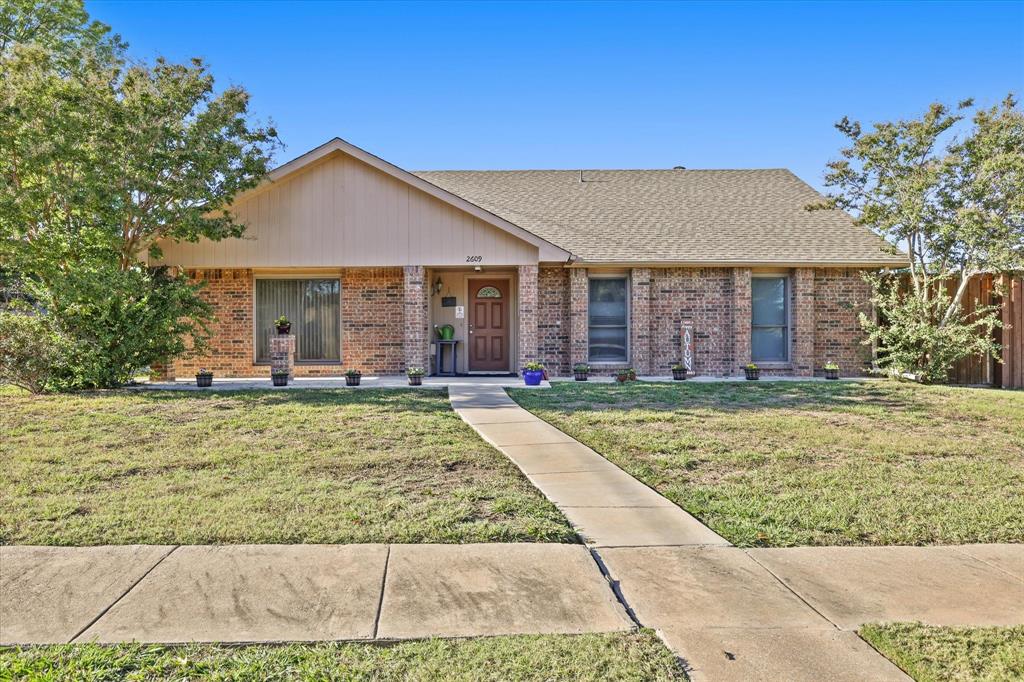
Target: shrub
<point x="31" y="353"/>
<point x="118" y="322"/>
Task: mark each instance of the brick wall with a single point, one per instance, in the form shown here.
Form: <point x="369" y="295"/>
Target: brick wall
<point x="527" y="311"/>
<point x="640" y="294"/>
<point x="415" y="337"/>
<point x="372" y="322"/>
<point x="839" y="296"/>
<point x="579" y="295"/>
<point x="803" y="321"/>
<point x="372" y="325"/>
<point x="703" y="295"/>
<point x="553" y="325"/>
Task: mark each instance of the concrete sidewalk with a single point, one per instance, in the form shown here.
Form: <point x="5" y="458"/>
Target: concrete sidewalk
<point x="607" y="506"/>
<point x="732" y="614"/>
<point x="273" y="593"/>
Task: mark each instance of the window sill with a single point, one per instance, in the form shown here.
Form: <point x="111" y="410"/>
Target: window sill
<point x="300" y="363"/>
<point x="773" y="365"/>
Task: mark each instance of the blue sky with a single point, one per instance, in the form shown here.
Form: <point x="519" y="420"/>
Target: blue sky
<point x="591" y="85"/>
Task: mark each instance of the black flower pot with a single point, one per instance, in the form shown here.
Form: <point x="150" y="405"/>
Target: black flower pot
<point x="284" y="328"/>
<point x="413" y="381"/>
<point x="678" y="374"/>
<point x="752" y="374"/>
<point x="580" y="376"/>
<point x="204" y="380"/>
<point x="353" y="380"/>
<point x="832" y="374"/>
<point x="279" y="379"/>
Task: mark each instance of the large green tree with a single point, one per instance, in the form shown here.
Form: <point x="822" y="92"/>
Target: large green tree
<point x="949" y="192"/>
<point x="102" y="158"/>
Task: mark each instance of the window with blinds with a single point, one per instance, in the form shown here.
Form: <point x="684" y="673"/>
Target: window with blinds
<point x="314" y="308"/>
<point x="769" y="332"/>
<point x="607" y="317"/>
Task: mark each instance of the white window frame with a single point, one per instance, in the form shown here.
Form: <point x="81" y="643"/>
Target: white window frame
<point x="629" y="320"/>
<point x="786" y="298"/>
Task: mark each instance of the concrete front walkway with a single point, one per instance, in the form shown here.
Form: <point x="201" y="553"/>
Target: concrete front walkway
<point x="608" y="507"/>
<point x="733" y="614"/>
<point x="272" y="593"/>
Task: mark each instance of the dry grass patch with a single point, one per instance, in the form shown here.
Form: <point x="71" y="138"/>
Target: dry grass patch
<point x="812" y="463"/>
<point x="311" y="466"/>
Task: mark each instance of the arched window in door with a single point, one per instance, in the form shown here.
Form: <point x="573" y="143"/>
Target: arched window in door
<point x="488" y="292"/>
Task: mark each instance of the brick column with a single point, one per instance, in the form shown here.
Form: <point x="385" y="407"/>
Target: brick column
<point x="416" y="343"/>
<point x="741" y="319"/>
<point x="527" y="314"/>
<point x="640" y="319"/>
<point x="579" y="295"/>
<point x="282" y="354"/>
<point x="802" y="322"/>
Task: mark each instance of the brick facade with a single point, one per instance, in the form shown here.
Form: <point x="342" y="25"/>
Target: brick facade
<point x="416" y="302"/>
<point x="386" y="325"/>
<point x="802" y="322"/>
<point x="840" y="295"/>
<point x="372" y="329"/>
<point x="553" y="325"/>
<point x="527" y="311"/>
<point x="741" y="316"/>
<point x="705" y="296"/>
<point x="640" y="319"/>
<point x="579" y="296"/>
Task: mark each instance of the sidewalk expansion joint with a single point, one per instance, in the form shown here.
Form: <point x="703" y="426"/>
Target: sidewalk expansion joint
<point x="792" y="591"/>
<point x="380" y="602"/>
<point x="614" y="585"/>
<point x="960" y="550"/>
<point x="123" y="595"/>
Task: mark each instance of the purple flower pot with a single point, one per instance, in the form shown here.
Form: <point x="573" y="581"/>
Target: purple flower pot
<point x="533" y="377"/>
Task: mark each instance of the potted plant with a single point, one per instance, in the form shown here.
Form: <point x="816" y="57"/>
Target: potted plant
<point x="415" y="375"/>
<point x="678" y="372"/>
<point x="632" y="374"/>
<point x="204" y="378"/>
<point x="352" y="377"/>
<point x="581" y="371"/>
<point x="624" y="375"/>
<point x="533" y="373"/>
<point x="752" y="371"/>
<point x="283" y="325"/>
<point x="279" y="376"/>
<point x="831" y="370"/>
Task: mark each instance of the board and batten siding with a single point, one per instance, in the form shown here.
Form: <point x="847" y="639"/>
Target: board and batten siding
<point x="343" y="212"/>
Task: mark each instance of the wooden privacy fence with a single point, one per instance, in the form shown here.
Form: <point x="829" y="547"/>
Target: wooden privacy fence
<point x="981" y="291"/>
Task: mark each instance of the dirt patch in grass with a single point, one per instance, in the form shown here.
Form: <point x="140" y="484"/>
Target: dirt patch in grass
<point x="330" y="466"/>
<point x="637" y="656"/>
<point x="813" y="463"/>
<point x="948" y="654"/>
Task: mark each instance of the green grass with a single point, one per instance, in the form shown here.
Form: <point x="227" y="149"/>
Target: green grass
<point x="623" y="656"/>
<point x="330" y="466"/>
<point x="947" y="654"/>
<point x="813" y="463"/>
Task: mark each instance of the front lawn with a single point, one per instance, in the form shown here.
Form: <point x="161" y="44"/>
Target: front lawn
<point x="812" y="463"/>
<point x="311" y="466"/>
<point x="947" y="654"/>
<point x="636" y="656"/>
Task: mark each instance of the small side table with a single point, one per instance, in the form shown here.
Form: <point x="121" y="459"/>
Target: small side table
<point x="441" y="345"/>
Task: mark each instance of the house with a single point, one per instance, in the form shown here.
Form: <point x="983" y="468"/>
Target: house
<point x="598" y="266"/>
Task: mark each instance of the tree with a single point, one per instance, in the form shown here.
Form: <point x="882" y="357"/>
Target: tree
<point x="102" y="158"/>
<point x="954" y="206"/>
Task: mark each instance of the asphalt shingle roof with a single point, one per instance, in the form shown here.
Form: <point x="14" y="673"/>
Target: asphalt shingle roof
<point x="682" y="216"/>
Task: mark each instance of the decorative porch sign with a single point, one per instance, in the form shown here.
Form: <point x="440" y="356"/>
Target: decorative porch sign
<point x="686" y="338"/>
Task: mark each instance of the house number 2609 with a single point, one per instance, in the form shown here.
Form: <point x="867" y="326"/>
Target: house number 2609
<point x="474" y="259"/>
